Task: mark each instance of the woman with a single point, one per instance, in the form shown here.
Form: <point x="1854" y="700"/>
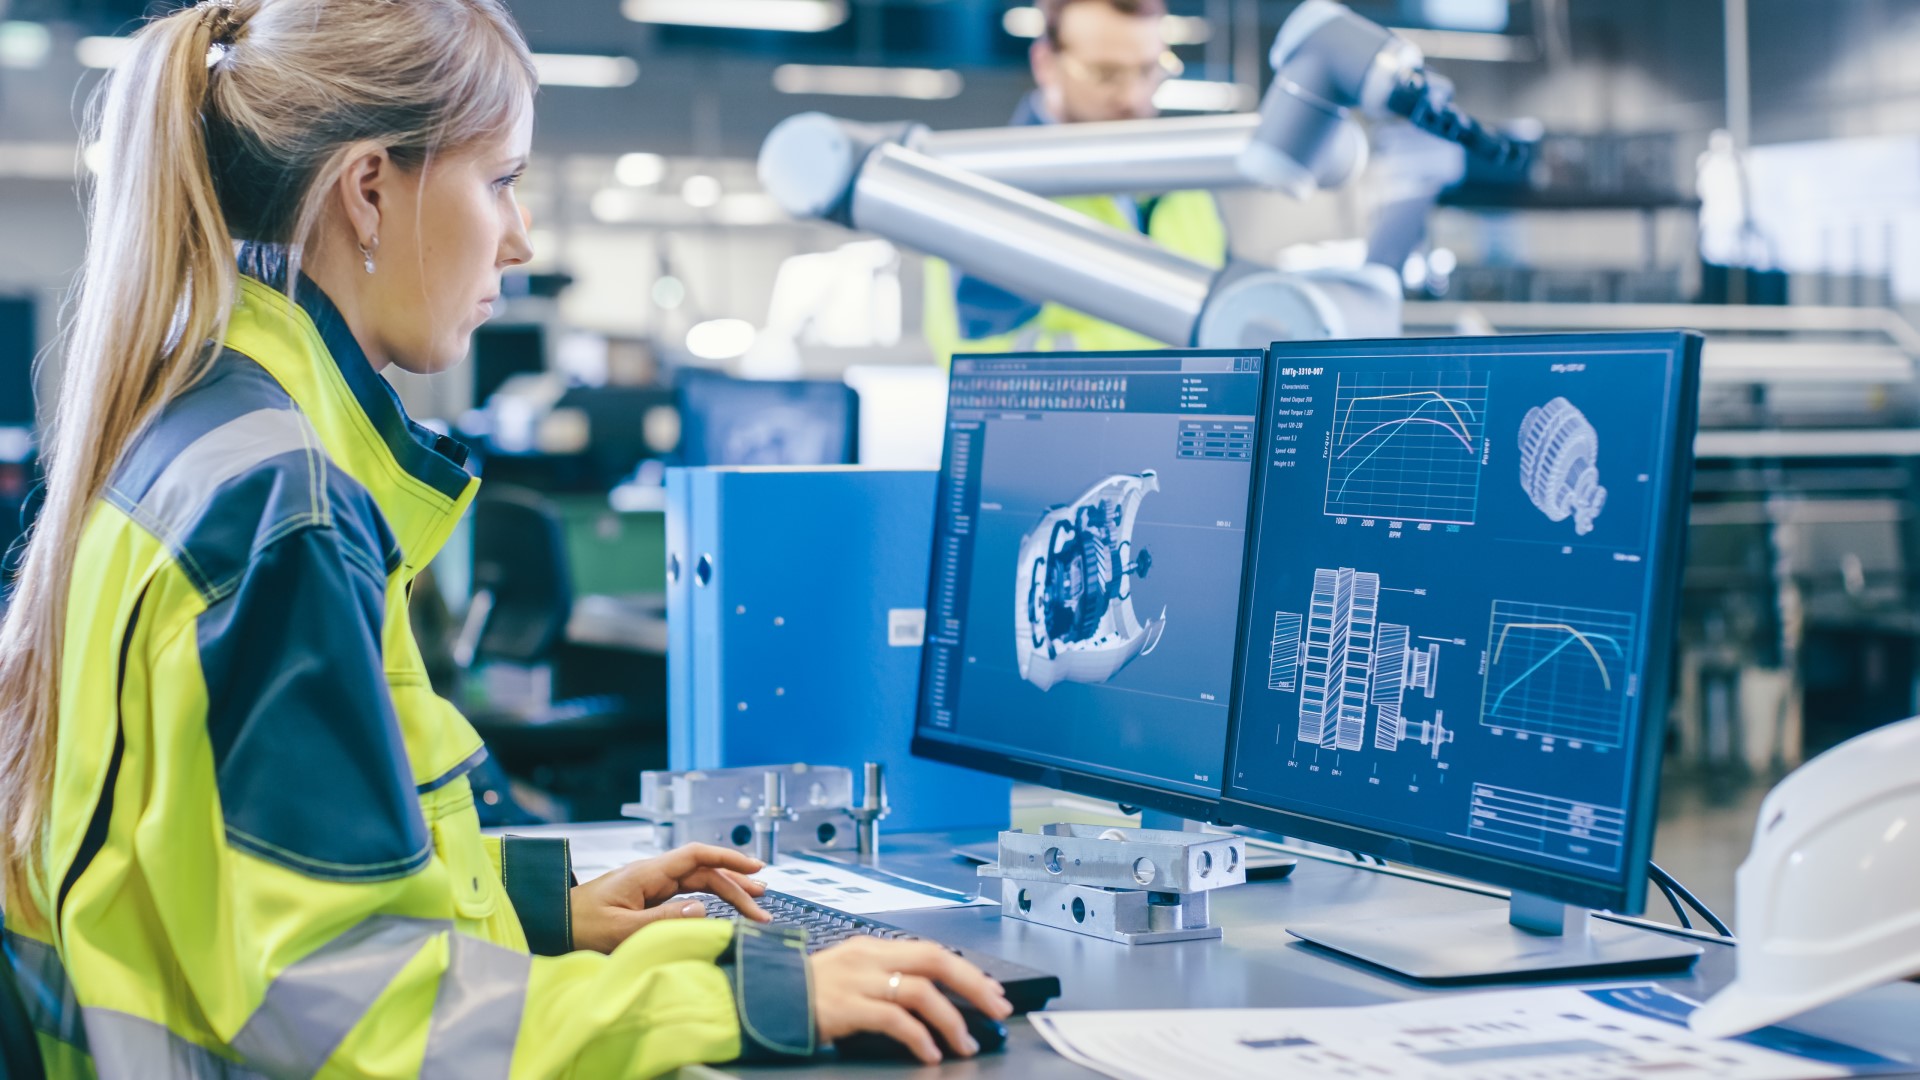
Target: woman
<point x="238" y="835"/>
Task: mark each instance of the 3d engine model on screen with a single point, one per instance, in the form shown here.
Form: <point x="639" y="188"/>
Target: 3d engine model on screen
<point x="1559" y="464"/>
<point x="1073" y="589"/>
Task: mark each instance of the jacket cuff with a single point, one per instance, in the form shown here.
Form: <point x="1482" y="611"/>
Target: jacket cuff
<point x="772" y="992"/>
<point x="538" y="874"/>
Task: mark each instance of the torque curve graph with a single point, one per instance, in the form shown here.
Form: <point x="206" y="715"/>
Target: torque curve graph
<point x="1558" y="672"/>
<point x="1407" y="446"/>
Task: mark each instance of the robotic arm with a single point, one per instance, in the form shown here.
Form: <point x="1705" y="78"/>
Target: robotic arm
<point x="975" y="198"/>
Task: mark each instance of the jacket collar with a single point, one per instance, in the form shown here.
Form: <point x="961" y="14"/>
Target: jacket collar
<point x="436" y="460"/>
<point x="417" y="476"/>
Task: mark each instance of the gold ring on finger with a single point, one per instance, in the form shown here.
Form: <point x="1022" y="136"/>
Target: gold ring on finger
<point x="893" y="986"/>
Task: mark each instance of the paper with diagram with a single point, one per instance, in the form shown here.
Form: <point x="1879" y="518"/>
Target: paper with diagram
<point x="1559" y="1033"/>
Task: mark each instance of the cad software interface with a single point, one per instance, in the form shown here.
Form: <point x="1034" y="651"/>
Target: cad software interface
<point x="1087" y="556"/>
<point x="1447" y="607"/>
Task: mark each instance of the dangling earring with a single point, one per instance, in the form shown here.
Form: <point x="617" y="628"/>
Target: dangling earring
<point x="368" y="255"/>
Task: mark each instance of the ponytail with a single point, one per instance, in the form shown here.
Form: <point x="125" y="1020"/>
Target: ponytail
<point x="229" y="116"/>
<point x="158" y="281"/>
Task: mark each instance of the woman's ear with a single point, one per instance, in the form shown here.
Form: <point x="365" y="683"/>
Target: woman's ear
<point x="363" y="191"/>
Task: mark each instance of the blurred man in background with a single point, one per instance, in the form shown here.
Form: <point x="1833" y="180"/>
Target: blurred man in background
<point x="1097" y="60"/>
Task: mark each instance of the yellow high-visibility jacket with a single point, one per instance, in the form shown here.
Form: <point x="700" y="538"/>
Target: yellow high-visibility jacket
<point x="262" y="857"/>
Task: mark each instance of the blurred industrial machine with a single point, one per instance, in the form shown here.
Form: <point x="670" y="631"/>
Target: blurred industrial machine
<point x="975" y="198"/>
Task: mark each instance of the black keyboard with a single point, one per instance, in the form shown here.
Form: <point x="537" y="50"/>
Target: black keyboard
<point x="1027" y="989"/>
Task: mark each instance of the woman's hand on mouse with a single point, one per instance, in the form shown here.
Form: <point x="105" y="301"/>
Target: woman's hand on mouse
<point x="893" y="988"/>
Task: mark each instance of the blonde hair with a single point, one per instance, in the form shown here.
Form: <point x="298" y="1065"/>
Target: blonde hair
<point x="227" y="122"/>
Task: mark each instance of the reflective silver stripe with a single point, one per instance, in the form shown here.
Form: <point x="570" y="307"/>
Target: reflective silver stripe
<point x="44" y="989"/>
<point x="186" y="487"/>
<point x="308" y="1010"/>
<point x="476" y="1017"/>
<point x="314" y="1003"/>
<point x="126" y="1047"/>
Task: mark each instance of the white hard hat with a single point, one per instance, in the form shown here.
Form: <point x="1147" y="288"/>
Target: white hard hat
<point x="1828" y="900"/>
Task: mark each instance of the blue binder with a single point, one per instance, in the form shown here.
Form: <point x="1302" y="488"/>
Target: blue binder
<point x="795" y="612"/>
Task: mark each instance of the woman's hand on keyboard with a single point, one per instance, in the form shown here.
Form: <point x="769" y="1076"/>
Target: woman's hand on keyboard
<point x="608" y="909"/>
<point x="851" y="994"/>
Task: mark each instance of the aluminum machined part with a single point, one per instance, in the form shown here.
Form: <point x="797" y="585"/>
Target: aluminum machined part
<point x="1128" y="916"/>
<point x="873" y="807"/>
<point x="722" y="792"/>
<point x="771" y="814"/>
<point x="1140" y="860"/>
<point x="718" y="806"/>
<point x="807" y="830"/>
<point x="1026" y="244"/>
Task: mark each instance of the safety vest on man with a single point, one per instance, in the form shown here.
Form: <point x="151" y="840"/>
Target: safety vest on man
<point x="262" y="856"/>
<point x="969" y="316"/>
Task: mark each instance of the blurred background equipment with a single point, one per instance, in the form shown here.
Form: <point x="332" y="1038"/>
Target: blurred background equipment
<point x="727" y="421"/>
<point x="1330" y="64"/>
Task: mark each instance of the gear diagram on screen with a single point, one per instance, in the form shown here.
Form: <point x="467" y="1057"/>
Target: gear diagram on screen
<point x="1073" y="590"/>
<point x="1560" y="464"/>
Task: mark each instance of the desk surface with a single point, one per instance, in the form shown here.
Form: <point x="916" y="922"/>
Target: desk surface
<point x="1257" y="963"/>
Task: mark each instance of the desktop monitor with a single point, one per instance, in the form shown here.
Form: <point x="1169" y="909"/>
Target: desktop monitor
<point x="625" y="426"/>
<point x="1461" y="585"/>
<point x="1088" y="538"/>
<point x="727" y="421"/>
<point x="503" y="350"/>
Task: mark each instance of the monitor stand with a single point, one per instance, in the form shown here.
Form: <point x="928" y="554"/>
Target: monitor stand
<point x="1539" y="937"/>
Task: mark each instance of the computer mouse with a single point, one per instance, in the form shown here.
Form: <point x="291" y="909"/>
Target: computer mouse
<point x="991" y="1034"/>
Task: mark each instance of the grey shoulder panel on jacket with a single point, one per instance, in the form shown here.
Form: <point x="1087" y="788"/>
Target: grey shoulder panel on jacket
<point x="232" y="465"/>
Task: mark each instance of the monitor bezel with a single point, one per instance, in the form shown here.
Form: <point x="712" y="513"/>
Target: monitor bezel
<point x="1625" y="894"/>
<point x="1183" y="804"/>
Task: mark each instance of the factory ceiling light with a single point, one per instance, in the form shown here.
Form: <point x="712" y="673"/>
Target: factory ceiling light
<point x="1024" y="22"/>
<point x="798" y="16"/>
<point x="599" y="72"/>
<point x="702" y="192"/>
<point x="918" y="84"/>
<point x="24" y="44"/>
<point x="640" y="170"/>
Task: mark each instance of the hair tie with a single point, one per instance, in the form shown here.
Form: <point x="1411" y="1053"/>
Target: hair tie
<point x="221" y="20"/>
